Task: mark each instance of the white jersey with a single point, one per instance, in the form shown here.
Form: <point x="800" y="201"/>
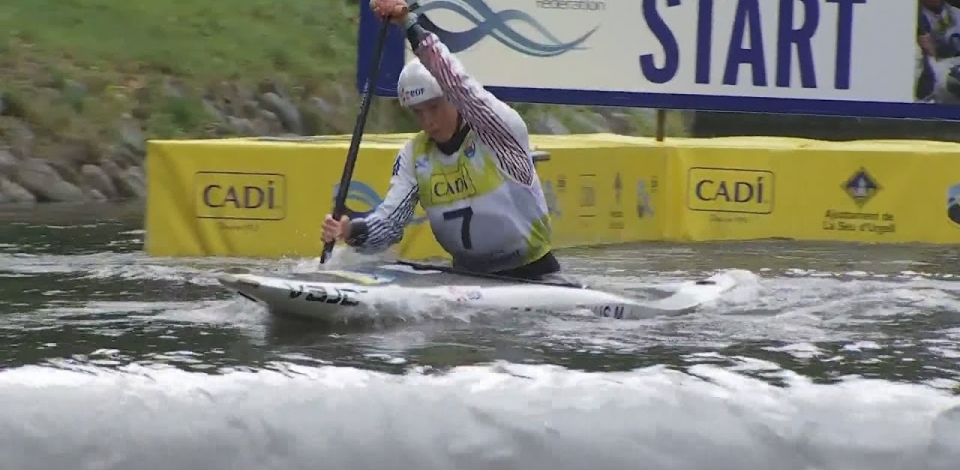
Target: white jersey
<point x="485" y="204"/>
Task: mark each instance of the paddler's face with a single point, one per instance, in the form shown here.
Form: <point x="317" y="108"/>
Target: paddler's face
<point x="437" y="117"/>
<point x="934" y="5"/>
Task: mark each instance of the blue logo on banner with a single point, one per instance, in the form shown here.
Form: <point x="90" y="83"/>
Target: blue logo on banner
<point x="861" y="187"/>
<point x="496" y="24"/>
<point x="364" y="194"/>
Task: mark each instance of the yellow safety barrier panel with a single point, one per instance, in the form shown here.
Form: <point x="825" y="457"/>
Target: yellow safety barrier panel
<point x="605" y="191"/>
<point x="266" y="197"/>
<point x="867" y="191"/>
<point x="255" y="198"/>
<point x="262" y="197"/>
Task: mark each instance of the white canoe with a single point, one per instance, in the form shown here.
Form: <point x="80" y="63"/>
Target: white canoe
<point x="362" y="293"/>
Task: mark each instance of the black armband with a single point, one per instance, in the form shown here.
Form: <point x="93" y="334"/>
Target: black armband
<point x="415" y="32"/>
<point x="358" y="233"/>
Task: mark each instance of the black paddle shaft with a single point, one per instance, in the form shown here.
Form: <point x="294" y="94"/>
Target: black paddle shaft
<point x="339" y="205"/>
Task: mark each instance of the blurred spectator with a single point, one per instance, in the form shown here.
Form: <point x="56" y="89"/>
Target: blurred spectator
<point x="939" y="29"/>
<point x="938" y="38"/>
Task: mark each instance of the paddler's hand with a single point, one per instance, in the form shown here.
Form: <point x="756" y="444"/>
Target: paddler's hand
<point x="394" y="10"/>
<point x="336" y="230"/>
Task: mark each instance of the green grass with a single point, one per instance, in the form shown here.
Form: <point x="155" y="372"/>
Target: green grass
<point x="74" y="66"/>
<point x="196" y="40"/>
<point x="71" y="68"/>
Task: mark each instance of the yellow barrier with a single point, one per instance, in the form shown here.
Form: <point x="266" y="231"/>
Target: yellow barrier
<point x="267" y="198"/>
<point x="605" y="193"/>
<point x="868" y="191"/>
<point x="253" y="198"/>
<point x="262" y="197"/>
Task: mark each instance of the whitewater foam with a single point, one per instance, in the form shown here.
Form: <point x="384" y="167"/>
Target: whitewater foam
<point x="501" y="415"/>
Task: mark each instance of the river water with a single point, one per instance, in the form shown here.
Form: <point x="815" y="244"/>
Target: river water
<point x="827" y="356"/>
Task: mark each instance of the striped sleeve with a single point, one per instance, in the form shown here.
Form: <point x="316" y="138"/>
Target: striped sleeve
<point x="384" y="227"/>
<point x="497" y="125"/>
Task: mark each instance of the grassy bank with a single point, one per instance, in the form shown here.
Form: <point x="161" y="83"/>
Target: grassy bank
<point x="72" y="68"/>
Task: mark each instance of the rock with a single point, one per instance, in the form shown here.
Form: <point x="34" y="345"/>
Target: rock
<point x="8" y="163"/>
<point x="250" y="109"/>
<point x="124" y="156"/>
<point x="620" y="123"/>
<point x="213" y="110"/>
<point x="15" y="193"/>
<point x="322" y="105"/>
<point x="19" y="136"/>
<point x="647" y="114"/>
<point x="90" y="194"/>
<point x="36" y="176"/>
<point x="271" y="86"/>
<point x="133" y="179"/>
<point x="346" y="94"/>
<point x="111" y="169"/>
<point x="327" y="114"/>
<point x="93" y="177"/>
<point x="240" y="126"/>
<point x="75" y="152"/>
<point x="174" y="88"/>
<point x="590" y="122"/>
<point x="629" y="122"/>
<point x="239" y="97"/>
<point x="127" y="187"/>
<point x="285" y="110"/>
<point x="66" y="170"/>
<point x="229" y="98"/>
<point x="138" y="172"/>
<point x="131" y="135"/>
<point x="549" y="124"/>
<point x="267" y="123"/>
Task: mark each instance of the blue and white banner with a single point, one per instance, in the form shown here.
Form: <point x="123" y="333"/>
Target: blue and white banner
<point x="884" y="58"/>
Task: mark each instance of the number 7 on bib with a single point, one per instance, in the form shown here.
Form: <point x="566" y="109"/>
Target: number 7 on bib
<point x="465" y="214"/>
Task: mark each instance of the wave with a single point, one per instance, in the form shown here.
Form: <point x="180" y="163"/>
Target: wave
<point x="490" y="416"/>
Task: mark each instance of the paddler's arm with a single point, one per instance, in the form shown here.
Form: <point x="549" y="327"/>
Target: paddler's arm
<point x="385" y="225"/>
<point x="497" y="124"/>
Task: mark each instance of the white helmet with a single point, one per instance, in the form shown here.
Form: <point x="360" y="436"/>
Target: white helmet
<point x="416" y="85"/>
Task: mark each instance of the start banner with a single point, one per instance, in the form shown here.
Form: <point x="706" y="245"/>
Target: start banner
<point x="881" y="58"/>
